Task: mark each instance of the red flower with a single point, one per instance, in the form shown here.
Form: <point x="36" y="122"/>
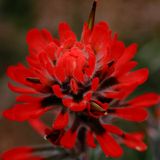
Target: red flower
<point x="84" y="81"/>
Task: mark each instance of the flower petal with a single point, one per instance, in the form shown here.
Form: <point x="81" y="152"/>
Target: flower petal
<point x="138" y="77"/>
<point x="127" y="55"/>
<point x="38" y="40"/>
<point x="57" y="90"/>
<point x="22" y="112"/>
<point x="130" y="113"/>
<point x="135" y="142"/>
<point x="65" y="32"/>
<point x="144" y="100"/>
<point x="61" y="121"/>
<point x="113" y="129"/>
<point x="100" y="35"/>
<point x="74" y="86"/>
<point x="21" y="90"/>
<point x="74" y="106"/>
<point x="90" y="139"/>
<point x="20" y="153"/>
<point x="109" y="146"/>
<point x="69" y="139"/>
<point x="95" y="83"/>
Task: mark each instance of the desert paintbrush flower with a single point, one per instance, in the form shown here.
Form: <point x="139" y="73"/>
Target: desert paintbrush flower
<point x="88" y="81"/>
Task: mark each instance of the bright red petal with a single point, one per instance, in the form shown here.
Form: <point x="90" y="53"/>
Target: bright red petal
<point x="127" y="67"/>
<point x="95" y="83"/>
<point x="90" y="139"/>
<point x="130" y="114"/>
<point x="19" y="153"/>
<point x="109" y="146"/>
<point x="69" y="139"/>
<point x="144" y="100"/>
<point x="74" y="86"/>
<point x="39" y="126"/>
<point x="113" y="129"/>
<point x="99" y="36"/>
<point x="57" y="91"/>
<point x="22" y="112"/>
<point x="74" y="106"/>
<point x="85" y="34"/>
<point x="127" y="55"/>
<point x="23" y="90"/>
<point x="137" y="77"/>
<point x="135" y="142"/>
<point x="65" y="32"/>
<point x="61" y="121"/>
<point x="28" y="99"/>
<point x="38" y="40"/>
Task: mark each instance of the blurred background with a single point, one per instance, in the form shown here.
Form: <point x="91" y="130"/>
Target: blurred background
<point x="135" y="21"/>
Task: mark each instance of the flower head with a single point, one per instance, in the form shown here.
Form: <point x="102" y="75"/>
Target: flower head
<point x="87" y="82"/>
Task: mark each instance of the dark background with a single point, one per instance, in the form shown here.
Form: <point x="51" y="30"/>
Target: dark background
<point x="135" y="21"/>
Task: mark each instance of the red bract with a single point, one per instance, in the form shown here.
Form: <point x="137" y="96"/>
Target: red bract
<point x="87" y="81"/>
<point x="19" y="153"/>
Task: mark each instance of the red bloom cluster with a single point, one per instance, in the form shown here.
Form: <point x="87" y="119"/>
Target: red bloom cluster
<point x="87" y="81"/>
